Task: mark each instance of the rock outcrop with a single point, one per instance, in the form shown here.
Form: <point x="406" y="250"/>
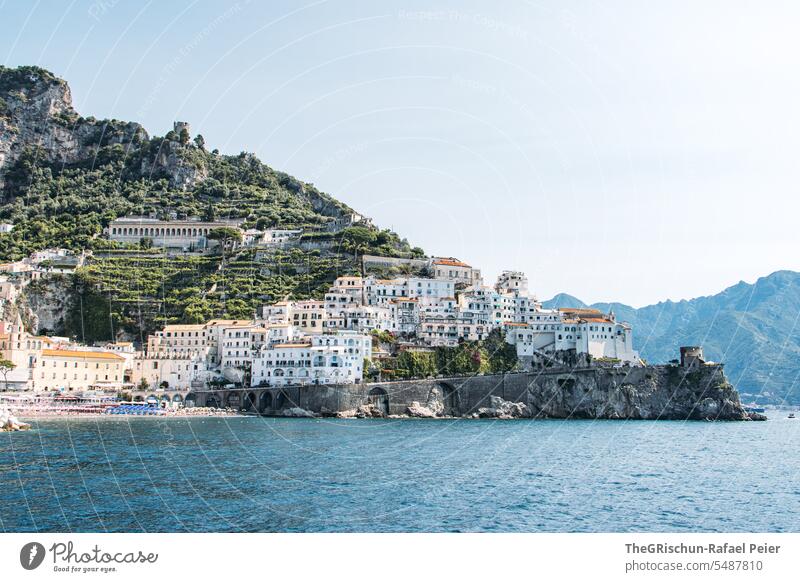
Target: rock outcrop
<point x="36" y="111"/>
<point x="647" y="393"/>
<point x="367" y="410"/>
<point x="9" y="422"/>
<point x="172" y="161"/>
<point x="417" y="410"/>
<point x="502" y="409"/>
<point x="297" y="412"/>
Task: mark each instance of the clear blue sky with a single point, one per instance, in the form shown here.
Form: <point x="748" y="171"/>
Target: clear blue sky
<point x="630" y="151"/>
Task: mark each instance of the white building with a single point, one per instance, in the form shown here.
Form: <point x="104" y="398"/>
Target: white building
<point x="178" y="234"/>
<point x="455" y="270"/>
<point x="174" y="371"/>
<point x="336" y="358"/>
<point x="587" y="331"/>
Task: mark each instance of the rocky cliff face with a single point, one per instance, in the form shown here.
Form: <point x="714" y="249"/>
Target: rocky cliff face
<point x="172" y="162"/>
<point x="36" y="111"/>
<point x="45" y="303"/>
<point x="651" y="393"/>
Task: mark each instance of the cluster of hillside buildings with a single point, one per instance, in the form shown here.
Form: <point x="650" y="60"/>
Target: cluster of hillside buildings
<point x="326" y="341"/>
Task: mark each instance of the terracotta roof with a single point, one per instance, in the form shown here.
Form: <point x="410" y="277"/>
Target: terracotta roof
<point x="451" y="262"/>
<point x="86" y="355"/>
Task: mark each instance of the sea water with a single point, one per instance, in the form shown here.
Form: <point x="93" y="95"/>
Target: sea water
<point x="250" y="474"/>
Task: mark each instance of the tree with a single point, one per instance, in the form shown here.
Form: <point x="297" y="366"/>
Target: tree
<point x="502" y="355"/>
<point x="225" y="235"/>
<point x="143" y="385"/>
<point x="184" y="136"/>
<point x="200" y="142"/>
<point x="5" y="367"/>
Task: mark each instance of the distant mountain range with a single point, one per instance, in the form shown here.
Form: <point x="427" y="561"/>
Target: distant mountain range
<point x="754" y="329"/>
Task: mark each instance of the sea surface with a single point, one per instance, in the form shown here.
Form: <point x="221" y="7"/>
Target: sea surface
<point x="243" y="474"/>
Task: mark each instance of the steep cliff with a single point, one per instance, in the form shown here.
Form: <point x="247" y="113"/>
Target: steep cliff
<point x="36" y="112"/>
<point x="650" y="393"/>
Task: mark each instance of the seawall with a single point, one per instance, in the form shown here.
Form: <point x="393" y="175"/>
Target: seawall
<point x="647" y="393"/>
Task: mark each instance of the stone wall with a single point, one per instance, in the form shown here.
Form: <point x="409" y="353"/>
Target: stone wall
<point x="654" y="392"/>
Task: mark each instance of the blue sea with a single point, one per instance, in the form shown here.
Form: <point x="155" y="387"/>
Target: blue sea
<point x="249" y="474"/>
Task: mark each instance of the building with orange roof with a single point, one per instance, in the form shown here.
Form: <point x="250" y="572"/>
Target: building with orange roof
<point x="78" y="369"/>
<point x="455" y="270"/>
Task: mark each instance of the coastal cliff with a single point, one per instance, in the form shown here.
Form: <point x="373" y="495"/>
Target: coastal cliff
<point x="649" y="393"/>
<point x="643" y="393"/>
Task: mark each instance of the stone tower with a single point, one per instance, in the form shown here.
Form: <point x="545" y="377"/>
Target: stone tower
<point x="178" y="126"/>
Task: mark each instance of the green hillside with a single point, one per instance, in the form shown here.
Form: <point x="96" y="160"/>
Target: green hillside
<point x="64" y="177"/>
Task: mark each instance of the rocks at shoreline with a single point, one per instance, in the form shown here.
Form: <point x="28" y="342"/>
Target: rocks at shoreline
<point x="10" y="423"/>
<point x="297" y="412"/>
<point x="364" y="411"/>
<point x="416" y="410"/>
<point x="502" y="409"/>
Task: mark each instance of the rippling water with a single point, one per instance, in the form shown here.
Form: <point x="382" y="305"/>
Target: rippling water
<point x="262" y="474"/>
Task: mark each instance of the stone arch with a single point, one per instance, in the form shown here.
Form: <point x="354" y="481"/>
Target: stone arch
<point x="379" y="399"/>
<point x="177" y="398"/>
<point x="250" y="402"/>
<point x="191" y="400"/>
<point x="283" y="400"/>
<point x="233" y="400"/>
<point x="451" y="398"/>
<point x="138" y="398"/>
<point x="213" y="401"/>
<point x="265" y="401"/>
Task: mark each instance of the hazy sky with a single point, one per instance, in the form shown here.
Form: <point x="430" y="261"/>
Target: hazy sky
<point x="631" y="151"/>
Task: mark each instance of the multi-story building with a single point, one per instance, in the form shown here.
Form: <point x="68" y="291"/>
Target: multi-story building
<point x="175" y="370"/>
<point x="455" y="270"/>
<point x="178" y="339"/>
<point x="216" y="331"/>
<point x="78" y="369"/>
<point x="587" y="331"/>
<point x="336" y="358"/>
<point x="308" y="316"/>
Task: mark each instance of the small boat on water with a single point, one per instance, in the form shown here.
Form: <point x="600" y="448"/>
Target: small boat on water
<point x="791" y="415"/>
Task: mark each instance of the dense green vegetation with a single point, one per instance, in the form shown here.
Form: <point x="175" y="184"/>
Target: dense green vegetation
<point x="121" y="172"/>
<point x="490" y="356"/>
